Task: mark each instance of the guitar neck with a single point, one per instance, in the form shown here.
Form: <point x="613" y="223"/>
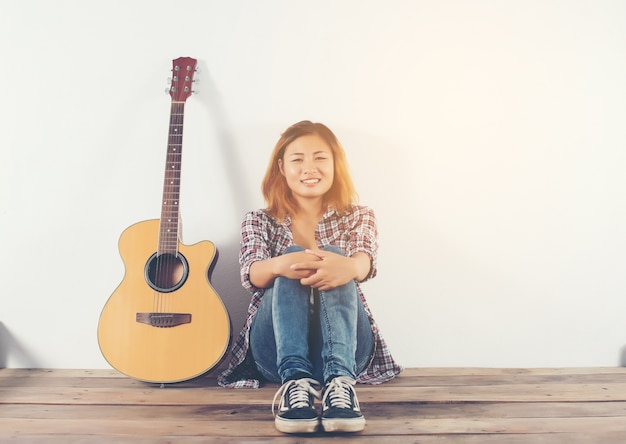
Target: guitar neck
<point x="183" y="70"/>
<point x="169" y="229"/>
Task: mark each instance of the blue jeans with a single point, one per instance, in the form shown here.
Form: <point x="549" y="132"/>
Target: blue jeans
<point x="320" y="334"/>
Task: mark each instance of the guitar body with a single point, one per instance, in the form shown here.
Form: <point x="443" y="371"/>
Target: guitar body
<point x="155" y="353"/>
<point x="165" y="323"/>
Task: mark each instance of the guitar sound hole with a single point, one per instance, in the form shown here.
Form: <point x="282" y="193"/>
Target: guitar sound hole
<point x="166" y="272"/>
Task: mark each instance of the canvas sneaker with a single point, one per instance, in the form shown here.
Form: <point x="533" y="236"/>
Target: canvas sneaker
<point x="340" y="407"/>
<point x="296" y="411"/>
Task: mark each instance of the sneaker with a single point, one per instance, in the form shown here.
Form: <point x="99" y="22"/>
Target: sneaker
<point x="296" y="412"/>
<point x="340" y="407"/>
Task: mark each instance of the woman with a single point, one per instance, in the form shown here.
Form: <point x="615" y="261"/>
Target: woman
<point x="303" y="258"/>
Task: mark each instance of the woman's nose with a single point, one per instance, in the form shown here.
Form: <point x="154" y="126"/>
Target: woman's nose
<point x="308" y="168"/>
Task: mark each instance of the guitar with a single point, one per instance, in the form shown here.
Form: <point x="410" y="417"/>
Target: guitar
<point x="165" y="323"/>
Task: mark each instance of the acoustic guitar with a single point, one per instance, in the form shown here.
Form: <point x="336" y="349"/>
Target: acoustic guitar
<point x="165" y="323"/>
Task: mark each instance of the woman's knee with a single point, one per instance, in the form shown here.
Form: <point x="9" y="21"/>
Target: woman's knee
<point x="333" y="249"/>
<point x="294" y="249"/>
<point x="329" y="248"/>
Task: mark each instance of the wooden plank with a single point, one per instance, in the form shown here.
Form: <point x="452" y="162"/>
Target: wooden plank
<point x="374" y="427"/>
<point x="54" y="373"/>
<point x="424" y="381"/>
<point x="412" y="381"/>
<point x="487" y="371"/>
<point x="411" y="378"/>
<point x="408" y="372"/>
<point x="211" y="396"/>
<point x="460" y="406"/>
<point x="548" y="438"/>
<point x="263" y="412"/>
<point x="498" y="393"/>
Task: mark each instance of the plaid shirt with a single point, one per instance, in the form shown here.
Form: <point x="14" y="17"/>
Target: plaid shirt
<point x="263" y="237"/>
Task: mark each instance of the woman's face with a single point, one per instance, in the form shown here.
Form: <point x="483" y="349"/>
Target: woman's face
<point x="308" y="167"/>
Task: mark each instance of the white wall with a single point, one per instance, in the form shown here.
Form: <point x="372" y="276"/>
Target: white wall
<point x="488" y="135"/>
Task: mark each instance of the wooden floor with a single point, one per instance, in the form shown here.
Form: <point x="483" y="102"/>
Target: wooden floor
<point x="464" y="405"/>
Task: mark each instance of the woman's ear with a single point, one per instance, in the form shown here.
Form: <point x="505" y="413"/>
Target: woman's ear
<point x="280" y="166"/>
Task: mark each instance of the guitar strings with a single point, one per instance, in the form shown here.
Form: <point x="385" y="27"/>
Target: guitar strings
<point x="168" y="265"/>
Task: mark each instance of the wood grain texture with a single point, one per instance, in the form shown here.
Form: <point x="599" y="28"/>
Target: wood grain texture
<point x="466" y="406"/>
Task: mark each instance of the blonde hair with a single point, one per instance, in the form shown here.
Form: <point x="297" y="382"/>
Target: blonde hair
<point x="278" y="196"/>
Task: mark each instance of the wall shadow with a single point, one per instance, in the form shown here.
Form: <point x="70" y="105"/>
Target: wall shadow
<point x="224" y="278"/>
<point x="11" y="348"/>
<point x="212" y="100"/>
<point x="224" y="275"/>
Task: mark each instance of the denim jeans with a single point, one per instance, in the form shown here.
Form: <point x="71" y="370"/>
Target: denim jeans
<point x="301" y="331"/>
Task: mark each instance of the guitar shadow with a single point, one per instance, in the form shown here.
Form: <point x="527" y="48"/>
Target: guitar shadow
<point x="211" y="99"/>
<point x="224" y="277"/>
<point x="224" y="273"/>
<point x="11" y="348"/>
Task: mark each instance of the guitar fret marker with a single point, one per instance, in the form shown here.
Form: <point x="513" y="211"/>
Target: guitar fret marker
<point x="169" y="238"/>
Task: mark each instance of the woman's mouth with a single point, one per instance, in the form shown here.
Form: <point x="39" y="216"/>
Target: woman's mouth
<point x="310" y="181"/>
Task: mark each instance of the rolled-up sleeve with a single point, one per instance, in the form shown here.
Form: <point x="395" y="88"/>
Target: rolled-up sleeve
<point x="363" y="237"/>
<point x="254" y="246"/>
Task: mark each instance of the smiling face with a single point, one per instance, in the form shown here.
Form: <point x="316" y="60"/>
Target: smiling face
<point x="308" y="167"/>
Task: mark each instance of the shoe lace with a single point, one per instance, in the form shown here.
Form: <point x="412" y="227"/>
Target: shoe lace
<point x="297" y="394"/>
<point x="339" y="394"/>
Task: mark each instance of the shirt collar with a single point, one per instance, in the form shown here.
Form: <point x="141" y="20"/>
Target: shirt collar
<point x="330" y="211"/>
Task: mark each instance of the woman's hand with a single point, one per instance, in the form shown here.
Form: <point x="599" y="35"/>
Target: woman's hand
<point x="331" y="270"/>
<point x="263" y="273"/>
<point x="285" y="264"/>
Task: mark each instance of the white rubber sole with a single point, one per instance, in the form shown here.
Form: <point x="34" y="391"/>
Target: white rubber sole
<point x="343" y="425"/>
<point x="296" y="425"/>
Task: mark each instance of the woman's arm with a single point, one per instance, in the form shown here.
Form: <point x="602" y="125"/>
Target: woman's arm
<point x="333" y="270"/>
<point x="263" y="272"/>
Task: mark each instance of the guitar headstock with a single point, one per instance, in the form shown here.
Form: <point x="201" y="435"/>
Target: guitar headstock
<point x="183" y="69"/>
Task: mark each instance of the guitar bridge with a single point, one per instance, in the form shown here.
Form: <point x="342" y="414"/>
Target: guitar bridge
<point x="164" y="320"/>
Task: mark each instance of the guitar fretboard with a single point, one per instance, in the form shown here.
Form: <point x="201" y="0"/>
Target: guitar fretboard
<point x="168" y="235"/>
